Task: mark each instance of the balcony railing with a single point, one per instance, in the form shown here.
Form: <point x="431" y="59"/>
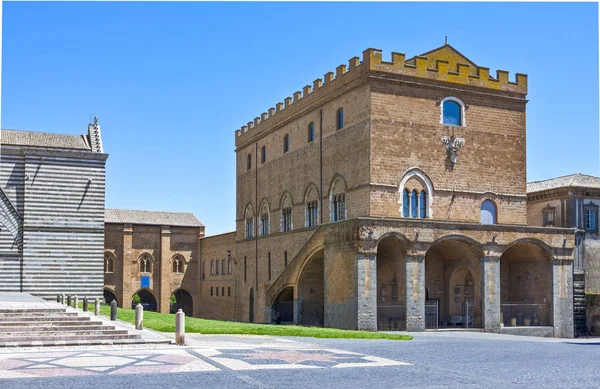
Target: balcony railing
<point x="518" y="314"/>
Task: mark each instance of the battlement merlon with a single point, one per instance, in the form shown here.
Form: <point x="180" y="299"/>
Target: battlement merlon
<point x="442" y="64"/>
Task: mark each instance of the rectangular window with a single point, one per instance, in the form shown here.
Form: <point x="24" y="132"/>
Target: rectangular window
<point x="228" y="265"/>
<point x="340" y="118"/>
<point x="211" y="290"/>
<point x="264" y="224"/>
<point x="285" y="259"/>
<point x="286" y="143"/>
<point x="217" y="288"/>
<point x="286" y="224"/>
<point x="203" y="269"/>
<point x="222" y="266"/>
<point x="249" y="228"/>
<point x="217" y="267"/>
<point x="548" y="213"/>
<point x="269" y="261"/>
<point x="212" y="264"/>
<point x="338" y="207"/>
<point x="263" y="154"/>
<point x="229" y="291"/>
<point x="245" y="272"/>
<point x="223" y="291"/>
<point x="311" y="132"/>
<point x="249" y="161"/>
<point x="312" y="214"/>
<point x="590" y="220"/>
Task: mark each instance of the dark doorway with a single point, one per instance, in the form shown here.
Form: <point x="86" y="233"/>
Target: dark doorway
<point x="181" y="299"/>
<point x="146" y="298"/>
<point x="284" y="306"/>
<point x="109" y="296"/>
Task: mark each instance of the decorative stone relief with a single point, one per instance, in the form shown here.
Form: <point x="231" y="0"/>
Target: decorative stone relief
<point x="452" y="144"/>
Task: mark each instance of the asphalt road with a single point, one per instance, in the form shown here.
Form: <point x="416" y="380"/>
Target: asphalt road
<point x="432" y="360"/>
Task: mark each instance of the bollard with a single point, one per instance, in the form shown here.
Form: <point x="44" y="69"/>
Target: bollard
<point x="97" y="307"/>
<point x="62" y="298"/>
<point x="85" y="304"/>
<point x="76" y="302"/>
<point x="69" y="300"/>
<point x="113" y="310"/>
<point x="180" y="327"/>
<point x="58" y="298"/>
<point x="139" y="317"/>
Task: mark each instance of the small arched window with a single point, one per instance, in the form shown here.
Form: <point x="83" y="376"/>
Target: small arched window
<point x="145" y="265"/>
<point x="109" y="264"/>
<point x="311" y="132"/>
<point x="405" y="203"/>
<point x="286" y="143"/>
<point x="452" y="112"/>
<point x="488" y="212"/>
<point x="177" y="266"/>
<point x="414" y="201"/>
<point x="423" y="204"/>
<point x="340" y="118"/>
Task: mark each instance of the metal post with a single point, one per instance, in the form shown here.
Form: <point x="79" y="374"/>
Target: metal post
<point x="139" y="317"/>
<point x="113" y="310"/>
<point x="97" y="307"/>
<point x="69" y="300"/>
<point x="58" y="298"/>
<point x="62" y="298"/>
<point x="85" y="304"/>
<point x="180" y="327"/>
<point x="76" y="302"/>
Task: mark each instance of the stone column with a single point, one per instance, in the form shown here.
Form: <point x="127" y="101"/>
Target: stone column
<point x="366" y="282"/>
<point x="562" y="298"/>
<point x="490" y="293"/>
<point x="415" y="293"/>
<point x="129" y="284"/>
<point x="164" y="278"/>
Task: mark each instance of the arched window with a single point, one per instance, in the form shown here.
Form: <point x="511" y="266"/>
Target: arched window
<point x="263" y="154"/>
<point x="405" y="203"/>
<point x="414" y="201"/>
<point x="145" y="264"/>
<point x="311" y="132"/>
<point x="264" y="222"/>
<point x="249" y="218"/>
<point x="177" y="265"/>
<point x="286" y="213"/>
<point x="488" y="212"/>
<point x="109" y="263"/>
<point x="423" y="204"/>
<point x="453" y="111"/>
<point x="286" y="143"/>
<point x="337" y="198"/>
<point x="340" y="118"/>
<point x="312" y="207"/>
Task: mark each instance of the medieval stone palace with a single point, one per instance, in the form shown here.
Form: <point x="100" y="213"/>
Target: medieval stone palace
<point x="392" y="195"/>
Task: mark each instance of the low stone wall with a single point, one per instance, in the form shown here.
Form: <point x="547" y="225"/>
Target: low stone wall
<point x="542" y="332"/>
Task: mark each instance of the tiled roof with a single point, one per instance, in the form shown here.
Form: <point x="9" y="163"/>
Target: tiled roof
<point x="131" y="216"/>
<point x="573" y="180"/>
<point x="41" y="139"/>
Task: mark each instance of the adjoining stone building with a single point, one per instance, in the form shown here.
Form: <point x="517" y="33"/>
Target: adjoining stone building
<point x="52" y="190"/>
<point x="154" y="255"/>
<point x="392" y="194"/>
<point x="574" y="201"/>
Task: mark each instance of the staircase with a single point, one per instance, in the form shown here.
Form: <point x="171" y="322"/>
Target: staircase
<point x="53" y="324"/>
<point x="579" y="305"/>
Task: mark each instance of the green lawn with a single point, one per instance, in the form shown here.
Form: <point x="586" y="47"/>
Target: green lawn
<point x="166" y="323"/>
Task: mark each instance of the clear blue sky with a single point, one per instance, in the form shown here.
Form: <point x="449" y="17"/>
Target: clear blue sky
<point x="171" y="82"/>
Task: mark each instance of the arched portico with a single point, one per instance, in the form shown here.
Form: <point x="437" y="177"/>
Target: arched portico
<point x="182" y="299"/>
<point x="453" y="280"/>
<point x="146" y="298"/>
<point x="109" y="296"/>
<point x="311" y="291"/>
<point x="284" y="306"/>
<point x="391" y="289"/>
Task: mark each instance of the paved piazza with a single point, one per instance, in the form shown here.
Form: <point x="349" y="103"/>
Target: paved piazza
<point x="432" y="360"/>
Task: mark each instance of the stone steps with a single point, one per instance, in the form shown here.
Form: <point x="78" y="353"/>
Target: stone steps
<point x="91" y="331"/>
<point x="49" y="323"/>
<point x="43" y="318"/>
<point x="97" y="326"/>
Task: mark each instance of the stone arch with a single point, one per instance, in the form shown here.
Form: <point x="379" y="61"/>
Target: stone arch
<point x="147" y="299"/>
<point x="110" y="295"/>
<point x="146" y="263"/>
<point x="447" y="262"/>
<point x="396" y="235"/>
<point x="286" y="200"/>
<point x="311" y="290"/>
<point x="526" y="283"/>
<point x="416" y="173"/>
<point x="283" y="304"/>
<point x="183" y="300"/>
<point x="391" y="282"/>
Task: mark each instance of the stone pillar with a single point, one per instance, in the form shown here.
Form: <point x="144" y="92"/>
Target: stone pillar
<point x="490" y="293"/>
<point x="415" y="293"/>
<point x="164" y="278"/>
<point x="562" y="298"/>
<point x="366" y="282"/>
<point x="129" y="284"/>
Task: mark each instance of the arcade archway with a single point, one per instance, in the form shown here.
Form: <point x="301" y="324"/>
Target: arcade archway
<point x="146" y="298"/>
<point x="182" y="299"/>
